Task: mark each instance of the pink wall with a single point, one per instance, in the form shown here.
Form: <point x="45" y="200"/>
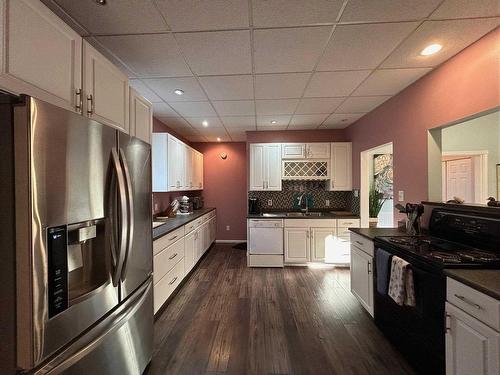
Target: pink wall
<point x="323" y="135"/>
<point x="466" y="84"/>
<point x="225" y="186"/>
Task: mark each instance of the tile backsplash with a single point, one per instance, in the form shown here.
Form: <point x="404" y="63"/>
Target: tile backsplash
<point x="284" y="199"/>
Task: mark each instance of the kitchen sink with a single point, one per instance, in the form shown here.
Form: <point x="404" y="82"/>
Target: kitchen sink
<point x="304" y="214"/>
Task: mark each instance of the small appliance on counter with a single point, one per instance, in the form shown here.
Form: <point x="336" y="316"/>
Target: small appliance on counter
<point x="185" y="205"/>
<point x="253" y="206"/>
<point x="198" y="202"/>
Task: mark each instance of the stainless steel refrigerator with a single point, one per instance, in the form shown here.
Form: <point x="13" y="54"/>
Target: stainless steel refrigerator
<point x="76" y="229"/>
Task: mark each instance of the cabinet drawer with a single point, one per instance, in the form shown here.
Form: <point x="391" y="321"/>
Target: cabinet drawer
<point x="211" y="214"/>
<point x="316" y="223"/>
<point x="189" y="227"/>
<point x="477" y="304"/>
<point x="348" y="223"/>
<point x="344" y="232"/>
<point x="166" y="259"/>
<point x="362" y="243"/>
<point x="167" y="240"/>
<point x="164" y="288"/>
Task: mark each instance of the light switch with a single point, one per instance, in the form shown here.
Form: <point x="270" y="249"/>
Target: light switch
<point x="269" y="202"/>
<point x="401" y="196"/>
<point x="228" y="227"/>
<point x="327" y="203"/>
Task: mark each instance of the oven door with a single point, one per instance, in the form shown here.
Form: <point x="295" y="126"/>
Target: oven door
<point x="418" y="332"/>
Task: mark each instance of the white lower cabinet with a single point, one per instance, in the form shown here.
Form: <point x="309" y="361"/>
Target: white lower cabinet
<point x="472" y="331"/>
<point x="176" y="254"/>
<point x="296" y="245"/>
<point x="362" y="252"/>
<point x="321" y="239"/>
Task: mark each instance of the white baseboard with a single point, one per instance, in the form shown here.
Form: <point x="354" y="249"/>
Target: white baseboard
<point x="230" y="241"/>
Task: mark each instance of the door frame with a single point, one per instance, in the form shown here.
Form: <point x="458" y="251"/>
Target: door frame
<point x="480" y="168"/>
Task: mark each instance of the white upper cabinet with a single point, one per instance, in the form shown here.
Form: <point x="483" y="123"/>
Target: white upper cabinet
<point x="159" y="164"/>
<point x="198" y="182"/>
<point x="40" y="55"/>
<point x="293" y="150"/>
<point x="265" y="166"/>
<point x="141" y="117"/>
<point x="318" y="150"/>
<point x="189" y="170"/>
<point x="106" y="90"/>
<point x="341" y="166"/>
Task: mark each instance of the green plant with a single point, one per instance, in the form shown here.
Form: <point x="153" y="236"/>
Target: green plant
<point x="376" y="201"/>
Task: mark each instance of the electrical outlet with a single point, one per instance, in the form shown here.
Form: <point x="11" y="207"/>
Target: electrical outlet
<point x="401" y="196"/>
<point x="356" y="193"/>
<point x="228" y="227"/>
<point x="269" y="202"/>
<point x="327" y="203"/>
<point x="156" y="207"/>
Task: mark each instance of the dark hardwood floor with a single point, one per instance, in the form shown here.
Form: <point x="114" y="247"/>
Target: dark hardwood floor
<point x="230" y="319"/>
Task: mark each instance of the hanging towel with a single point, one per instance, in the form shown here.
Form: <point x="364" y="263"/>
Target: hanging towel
<point x="401" y="288"/>
<point x="383" y="261"/>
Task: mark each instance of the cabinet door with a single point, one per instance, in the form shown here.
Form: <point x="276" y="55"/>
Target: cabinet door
<point x="471" y="346"/>
<point x="273" y="167"/>
<point x="361" y="278"/>
<point x="190" y="251"/>
<point x="181" y="160"/>
<point x="159" y="157"/>
<point x="189" y="170"/>
<point x="213" y="229"/>
<point x="293" y="150"/>
<point x="141" y="117"/>
<point x="321" y="241"/>
<point x="40" y="55"/>
<point x="341" y="166"/>
<point x="173" y="164"/>
<point x="296" y="245"/>
<point x="257" y="168"/>
<point x="106" y="90"/>
<point x="318" y="150"/>
<point x="199" y="170"/>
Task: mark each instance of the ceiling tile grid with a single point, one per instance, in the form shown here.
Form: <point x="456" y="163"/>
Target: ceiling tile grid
<point x="246" y="65"/>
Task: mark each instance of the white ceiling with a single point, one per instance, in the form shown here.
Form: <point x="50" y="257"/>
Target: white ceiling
<point x="244" y="63"/>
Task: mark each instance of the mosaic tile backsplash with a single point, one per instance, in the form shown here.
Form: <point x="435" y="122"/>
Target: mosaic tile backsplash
<point x="284" y="199"/>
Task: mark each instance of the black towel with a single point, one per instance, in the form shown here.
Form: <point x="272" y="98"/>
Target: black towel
<point x="382" y="261"/>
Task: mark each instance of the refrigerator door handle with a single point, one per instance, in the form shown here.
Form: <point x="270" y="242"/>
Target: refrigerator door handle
<point x="122" y="198"/>
<point x="130" y="203"/>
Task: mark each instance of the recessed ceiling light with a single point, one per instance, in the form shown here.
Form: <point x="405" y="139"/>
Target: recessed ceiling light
<point x="274" y="122"/>
<point x="431" y="49"/>
<point x="101" y="2"/>
<point x="179" y="92"/>
<point x="218" y="139"/>
<point x="204" y="123"/>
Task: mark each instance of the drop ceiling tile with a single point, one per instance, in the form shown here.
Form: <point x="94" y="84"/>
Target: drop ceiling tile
<point x="194" y="109"/>
<point x="110" y="56"/>
<point x="148" y="55"/>
<point x="214" y="132"/>
<point x="466" y="9"/>
<point x="288" y="50"/>
<point x="308" y="120"/>
<point x="239" y="137"/>
<point x="165" y="87"/>
<point x="302" y="127"/>
<point x="276" y="106"/>
<point x="340" y="121"/>
<point x="363" y="46"/>
<point x="271" y="128"/>
<point x="235" y="107"/>
<point x="239" y="122"/>
<point x="453" y="35"/>
<point x="362" y="104"/>
<point x="215" y="138"/>
<point x="387" y="10"/>
<point x="196" y="138"/>
<point x="265" y="121"/>
<point x="194" y="15"/>
<point x="309" y="106"/>
<point x="197" y="122"/>
<point x="175" y="122"/>
<point x="389" y="81"/>
<point x="294" y="12"/>
<point x="218" y="52"/>
<point x="144" y="90"/>
<point x="280" y="86"/>
<point x="163" y="110"/>
<point x="228" y="87"/>
<point x="334" y="84"/>
<point x="116" y="17"/>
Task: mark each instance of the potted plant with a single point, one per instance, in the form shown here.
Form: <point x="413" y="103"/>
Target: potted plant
<point x="376" y="200"/>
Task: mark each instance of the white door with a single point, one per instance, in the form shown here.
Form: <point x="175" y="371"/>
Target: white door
<point x="141" y="117"/>
<point x="318" y="150"/>
<point x="41" y="55"/>
<point x="361" y="278"/>
<point x="341" y="166"/>
<point x="293" y="151"/>
<point x="257" y="168"/>
<point x="321" y="242"/>
<point x="190" y="253"/>
<point x="471" y="346"/>
<point x="460" y="179"/>
<point x="106" y="90"/>
<point x="296" y="245"/>
<point x="273" y="167"/>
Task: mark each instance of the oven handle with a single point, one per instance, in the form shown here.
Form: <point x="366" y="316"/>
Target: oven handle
<point x="468" y="301"/>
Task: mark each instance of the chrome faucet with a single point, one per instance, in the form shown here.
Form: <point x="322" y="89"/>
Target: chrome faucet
<point x="303" y="198"/>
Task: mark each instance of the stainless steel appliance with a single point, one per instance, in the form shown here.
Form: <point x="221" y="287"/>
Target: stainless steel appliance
<point x="81" y="220"/>
<point x="458" y="238"/>
<point x="198" y="202"/>
<point x="253" y="206"/>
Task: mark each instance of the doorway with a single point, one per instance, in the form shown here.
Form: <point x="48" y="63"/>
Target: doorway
<point x="377" y="171"/>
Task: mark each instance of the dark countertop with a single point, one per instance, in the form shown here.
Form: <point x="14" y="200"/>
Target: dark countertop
<point x="486" y="281"/>
<point x="178" y="221"/>
<point x="371" y="233"/>
<point x="324" y="215"/>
